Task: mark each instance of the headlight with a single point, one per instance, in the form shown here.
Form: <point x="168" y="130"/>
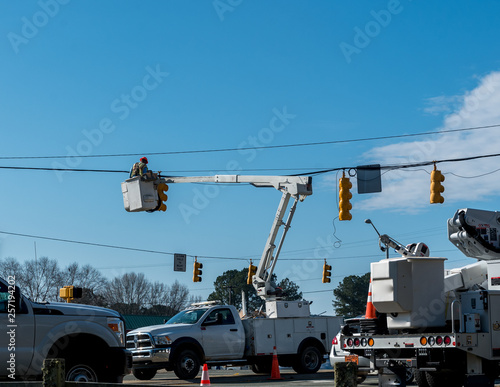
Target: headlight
<point x="162" y="340"/>
<point x="116" y="325"/>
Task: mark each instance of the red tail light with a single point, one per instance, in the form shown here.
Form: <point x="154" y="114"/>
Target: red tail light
<point x="335" y="341"/>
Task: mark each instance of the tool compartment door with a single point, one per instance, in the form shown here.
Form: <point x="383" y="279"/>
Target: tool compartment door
<point x="264" y="336"/>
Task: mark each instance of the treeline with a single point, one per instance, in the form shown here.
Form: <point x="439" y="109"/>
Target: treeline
<point x="130" y="293"/>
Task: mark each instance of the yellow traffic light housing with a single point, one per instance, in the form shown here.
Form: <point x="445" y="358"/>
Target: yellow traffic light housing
<point x="326" y="273"/>
<point x="197" y="271"/>
<point x="251" y="272"/>
<point x="69" y="293"/>
<point x="344" y="196"/>
<point x="64" y="292"/>
<point x="436" y="187"/>
<point x="162" y="196"/>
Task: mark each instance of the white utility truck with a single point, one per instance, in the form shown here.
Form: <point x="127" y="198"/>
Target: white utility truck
<point x="215" y="334"/>
<point x="90" y="339"/>
<point x="443" y="323"/>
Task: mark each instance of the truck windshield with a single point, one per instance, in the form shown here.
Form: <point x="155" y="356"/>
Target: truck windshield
<point x="187" y="316"/>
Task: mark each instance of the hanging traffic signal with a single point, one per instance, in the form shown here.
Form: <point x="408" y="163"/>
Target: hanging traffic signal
<point x="251" y="272"/>
<point x="197" y="271"/>
<point x="326" y="273"/>
<point x="344" y="196"/>
<point x="436" y="187"/>
<point x="162" y="196"/>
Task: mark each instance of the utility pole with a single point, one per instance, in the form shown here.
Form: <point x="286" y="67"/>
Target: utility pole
<point x="230" y="288"/>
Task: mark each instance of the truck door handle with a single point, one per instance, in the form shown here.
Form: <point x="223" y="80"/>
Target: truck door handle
<point x="233" y="330"/>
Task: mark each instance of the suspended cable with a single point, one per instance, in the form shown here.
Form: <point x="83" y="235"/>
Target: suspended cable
<point x="310" y="173"/>
<point x="261" y="147"/>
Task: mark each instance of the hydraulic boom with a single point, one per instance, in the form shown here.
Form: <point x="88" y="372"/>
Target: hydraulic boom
<point x="141" y="195"/>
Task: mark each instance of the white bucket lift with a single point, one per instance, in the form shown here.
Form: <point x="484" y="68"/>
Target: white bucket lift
<point x="139" y="195"/>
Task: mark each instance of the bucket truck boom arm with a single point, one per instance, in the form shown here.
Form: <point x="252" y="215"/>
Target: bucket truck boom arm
<point x="137" y="192"/>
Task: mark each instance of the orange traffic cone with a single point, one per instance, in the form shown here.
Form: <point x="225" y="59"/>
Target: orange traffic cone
<point x="275" y="371"/>
<point x="205" y="380"/>
<point x="370" y="309"/>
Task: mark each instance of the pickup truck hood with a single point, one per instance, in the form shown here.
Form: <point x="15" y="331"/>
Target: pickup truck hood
<point x="68" y="309"/>
<point x="163" y="329"/>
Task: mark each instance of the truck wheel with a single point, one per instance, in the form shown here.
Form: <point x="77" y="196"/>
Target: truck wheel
<point x="144" y="373"/>
<point x="187" y="365"/>
<point x="420" y="378"/>
<point x="81" y="372"/>
<point x="308" y="361"/>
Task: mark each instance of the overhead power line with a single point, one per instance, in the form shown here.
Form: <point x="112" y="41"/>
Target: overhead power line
<point x="310" y="173"/>
<point x="116" y="247"/>
<point x="260" y="147"/>
<point x="65" y="169"/>
<point x="403" y="166"/>
<point x="200" y="256"/>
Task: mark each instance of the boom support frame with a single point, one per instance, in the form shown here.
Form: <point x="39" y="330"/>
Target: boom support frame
<point x="296" y="187"/>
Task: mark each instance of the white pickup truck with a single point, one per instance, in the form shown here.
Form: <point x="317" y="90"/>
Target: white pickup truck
<point x="91" y="340"/>
<point x="215" y="334"/>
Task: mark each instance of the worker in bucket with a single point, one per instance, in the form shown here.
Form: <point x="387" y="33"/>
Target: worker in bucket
<point x="140" y="168"/>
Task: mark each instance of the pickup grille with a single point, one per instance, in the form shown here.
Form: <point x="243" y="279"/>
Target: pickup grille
<point x="139" y="341"/>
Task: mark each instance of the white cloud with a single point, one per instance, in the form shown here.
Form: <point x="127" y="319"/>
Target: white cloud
<point x="408" y="190"/>
<point x="441" y="104"/>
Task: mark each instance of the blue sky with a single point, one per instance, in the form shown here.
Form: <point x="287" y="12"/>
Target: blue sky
<point x="140" y="77"/>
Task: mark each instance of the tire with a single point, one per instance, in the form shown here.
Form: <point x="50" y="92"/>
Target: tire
<point x="420" y="378"/>
<point x="81" y="371"/>
<point x="445" y="378"/>
<point x="308" y="361"/>
<point x="144" y="373"/>
<point x="187" y="365"/>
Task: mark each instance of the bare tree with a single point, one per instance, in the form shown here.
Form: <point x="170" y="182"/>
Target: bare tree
<point x="177" y="298"/>
<point x="158" y="293"/>
<point x="11" y="267"/>
<point x="89" y="279"/>
<point x="128" y="294"/>
<point x="42" y="279"/>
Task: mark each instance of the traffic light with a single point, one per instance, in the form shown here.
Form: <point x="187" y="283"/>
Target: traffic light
<point x="436" y="187"/>
<point x="197" y="271"/>
<point x="251" y="272"/>
<point x="326" y="273"/>
<point x="68" y="293"/>
<point x="162" y="196"/>
<point x="64" y="292"/>
<point x="344" y="196"/>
